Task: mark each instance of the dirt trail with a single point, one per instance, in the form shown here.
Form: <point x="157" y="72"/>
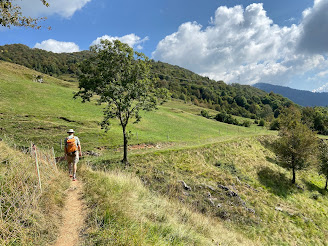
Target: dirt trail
<point x="73" y="217"/>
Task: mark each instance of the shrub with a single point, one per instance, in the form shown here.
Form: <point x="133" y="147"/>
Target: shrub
<point x="246" y="123"/>
<point x="229" y="119"/>
<point x="262" y="122"/>
<point x="221" y="116"/>
<point x="205" y="113"/>
<point x="275" y="125"/>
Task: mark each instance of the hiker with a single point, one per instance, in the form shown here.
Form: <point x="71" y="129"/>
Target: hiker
<point x="72" y="152"/>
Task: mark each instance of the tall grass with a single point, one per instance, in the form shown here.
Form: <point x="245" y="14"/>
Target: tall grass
<point x="27" y="216"/>
<point x="124" y="212"/>
<point x="275" y="211"/>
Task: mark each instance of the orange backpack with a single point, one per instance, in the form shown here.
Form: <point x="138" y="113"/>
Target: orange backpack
<point x="71" y="145"/>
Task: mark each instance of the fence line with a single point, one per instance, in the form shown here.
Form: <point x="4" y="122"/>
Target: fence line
<point x="21" y="187"/>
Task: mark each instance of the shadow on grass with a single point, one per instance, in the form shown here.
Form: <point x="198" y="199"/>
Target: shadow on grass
<point x="107" y="164"/>
<point x="313" y="187"/>
<point x="276" y="182"/>
<point x="266" y="143"/>
<point x="272" y="160"/>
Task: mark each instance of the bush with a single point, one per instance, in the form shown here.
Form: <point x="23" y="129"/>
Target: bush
<point x="262" y="122"/>
<point x="275" y="125"/>
<point x="205" y="113"/>
<point x="229" y="119"/>
<point x="247" y="123"/>
<point x="221" y="116"/>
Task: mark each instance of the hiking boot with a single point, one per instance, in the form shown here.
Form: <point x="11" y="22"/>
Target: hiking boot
<point x="70" y="175"/>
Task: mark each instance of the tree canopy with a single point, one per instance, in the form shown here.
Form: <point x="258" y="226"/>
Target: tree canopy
<point x="11" y="15"/>
<point x="121" y="78"/>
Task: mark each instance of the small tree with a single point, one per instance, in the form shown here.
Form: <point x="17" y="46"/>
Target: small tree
<point x="296" y="144"/>
<point x="205" y="113"/>
<point x="120" y="77"/>
<point x="11" y="15"/>
<point x="323" y="160"/>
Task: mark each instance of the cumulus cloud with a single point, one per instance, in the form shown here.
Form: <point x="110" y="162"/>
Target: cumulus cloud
<point x="131" y="39"/>
<point x="241" y="45"/>
<point x="314" y="34"/>
<point x="57" y="46"/>
<point x="63" y="8"/>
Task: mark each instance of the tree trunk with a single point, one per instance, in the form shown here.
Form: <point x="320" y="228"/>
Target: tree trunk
<point x="125" y="147"/>
<point x="294" y="176"/>
<point x="326" y="183"/>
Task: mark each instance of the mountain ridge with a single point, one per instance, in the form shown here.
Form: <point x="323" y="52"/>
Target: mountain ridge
<point x="301" y="97"/>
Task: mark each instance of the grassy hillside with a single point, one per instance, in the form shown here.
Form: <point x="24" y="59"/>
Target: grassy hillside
<point x="236" y="99"/>
<point x="42" y="112"/>
<point x="238" y="184"/>
<point x="125" y="212"/>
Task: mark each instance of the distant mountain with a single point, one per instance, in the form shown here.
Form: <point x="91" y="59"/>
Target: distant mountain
<point x="301" y="97"/>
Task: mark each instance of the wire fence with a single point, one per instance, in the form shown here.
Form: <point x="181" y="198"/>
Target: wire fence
<point x="23" y="177"/>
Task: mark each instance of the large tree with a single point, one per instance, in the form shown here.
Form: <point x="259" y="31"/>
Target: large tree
<point x="323" y="160"/>
<point x="120" y="77"/>
<point x="11" y="15"/>
<point x="296" y="143"/>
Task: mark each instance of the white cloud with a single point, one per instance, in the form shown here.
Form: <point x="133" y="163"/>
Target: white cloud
<point x="323" y="88"/>
<point x="63" y="8"/>
<point x="57" y="46"/>
<point x="131" y="39"/>
<point x="241" y="45"/>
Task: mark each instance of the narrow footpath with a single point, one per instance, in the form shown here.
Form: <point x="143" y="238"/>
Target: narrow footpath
<point x="73" y="216"/>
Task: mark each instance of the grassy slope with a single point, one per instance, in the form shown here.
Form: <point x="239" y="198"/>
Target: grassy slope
<point x="125" y="212"/>
<point x="32" y="111"/>
<point x="247" y="167"/>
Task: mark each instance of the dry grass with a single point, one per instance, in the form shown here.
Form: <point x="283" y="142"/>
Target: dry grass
<point x="124" y="212"/>
<point x="283" y="213"/>
<point x="27" y="216"/>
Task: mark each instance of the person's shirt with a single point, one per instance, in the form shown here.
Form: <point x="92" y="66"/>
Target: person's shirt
<point x="77" y="140"/>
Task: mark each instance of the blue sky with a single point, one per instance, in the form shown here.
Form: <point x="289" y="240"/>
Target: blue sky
<point x="278" y="42"/>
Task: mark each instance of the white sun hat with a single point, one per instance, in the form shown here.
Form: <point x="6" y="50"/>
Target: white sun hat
<point x="70" y="131"/>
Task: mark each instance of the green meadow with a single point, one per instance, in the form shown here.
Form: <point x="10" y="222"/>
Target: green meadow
<point x="42" y="113"/>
